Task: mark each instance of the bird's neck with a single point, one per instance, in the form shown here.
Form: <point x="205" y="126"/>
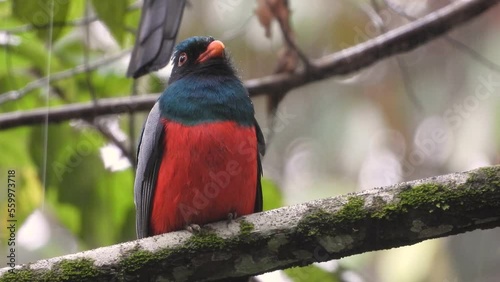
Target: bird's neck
<point x="204" y="98"/>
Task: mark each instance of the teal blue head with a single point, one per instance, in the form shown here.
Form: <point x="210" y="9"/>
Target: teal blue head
<point x="203" y="86"/>
<point x="198" y="55"/>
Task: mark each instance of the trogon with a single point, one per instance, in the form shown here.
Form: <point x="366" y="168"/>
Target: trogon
<point x="199" y="155"/>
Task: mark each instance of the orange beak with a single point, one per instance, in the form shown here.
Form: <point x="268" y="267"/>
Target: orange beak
<point x="214" y="49"/>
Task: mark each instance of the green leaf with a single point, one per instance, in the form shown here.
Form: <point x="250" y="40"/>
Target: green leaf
<point x="32" y="50"/>
<point x="39" y="12"/>
<point x="111" y="85"/>
<point x="29" y="61"/>
<point x="112" y="13"/>
<point x="78" y="189"/>
<point x="103" y="200"/>
<point x="115" y="194"/>
<point x="28" y="193"/>
<point x="271" y="194"/>
<point x="27" y="187"/>
<point x="310" y="273"/>
<point x="93" y="203"/>
<point x="14" y="147"/>
<point x="62" y="143"/>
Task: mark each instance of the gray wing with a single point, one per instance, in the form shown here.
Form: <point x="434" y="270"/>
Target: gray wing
<point x="261" y="145"/>
<point x="155" y="39"/>
<point x="149" y="155"/>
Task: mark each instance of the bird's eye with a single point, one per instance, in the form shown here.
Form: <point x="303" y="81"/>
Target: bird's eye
<point x="182" y="59"/>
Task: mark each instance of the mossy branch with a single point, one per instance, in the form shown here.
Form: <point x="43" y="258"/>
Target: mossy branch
<point x="298" y="235"/>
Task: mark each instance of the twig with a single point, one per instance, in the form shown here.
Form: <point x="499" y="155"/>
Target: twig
<point x="316" y="231"/>
<point x="452" y="41"/>
<point x="8" y="63"/>
<point x="16" y="94"/>
<point x="286" y="63"/>
<point x="405" y="38"/>
<point x="473" y="54"/>
<point x="78" y="110"/>
<point x="405" y="75"/>
<point x="88" y="74"/>
<point x="399" y="40"/>
<point x="104" y="130"/>
<point x="132" y="126"/>
<point x="289" y="40"/>
<point x="98" y="124"/>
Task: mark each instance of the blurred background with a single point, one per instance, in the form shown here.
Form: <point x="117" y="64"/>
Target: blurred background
<point x="339" y="135"/>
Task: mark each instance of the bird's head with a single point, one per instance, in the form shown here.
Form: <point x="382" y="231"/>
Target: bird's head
<point x="202" y="55"/>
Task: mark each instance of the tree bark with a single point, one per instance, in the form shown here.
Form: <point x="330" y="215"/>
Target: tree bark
<point x="320" y="230"/>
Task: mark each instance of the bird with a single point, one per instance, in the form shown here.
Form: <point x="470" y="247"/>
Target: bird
<point x="199" y="154"/>
<point x="155" y="39"/>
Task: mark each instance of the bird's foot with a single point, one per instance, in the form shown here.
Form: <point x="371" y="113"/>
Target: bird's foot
<point x="230" y="217"/>
<point x="193" y="228"/>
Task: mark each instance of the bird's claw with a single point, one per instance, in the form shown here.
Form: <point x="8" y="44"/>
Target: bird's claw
<point x="193" y="228"/>
<point x="231" y="216"/>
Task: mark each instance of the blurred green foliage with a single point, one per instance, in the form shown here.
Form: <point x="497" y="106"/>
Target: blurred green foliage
<point x="113" y="14"/>
<point x="93" y="203"/>
<point x="272" y="195"/>
<point x="42" y="13"/>
<point x="310" y="273"/>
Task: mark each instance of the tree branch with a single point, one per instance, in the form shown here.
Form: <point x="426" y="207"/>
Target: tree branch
<point x="316" y="231"/>
<point x="452" y="41"/>
<point x="399" y="40"/>
<point x="404" y="73"/>
<point x="78" y="110"/>
<point x="39" y="83"/>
